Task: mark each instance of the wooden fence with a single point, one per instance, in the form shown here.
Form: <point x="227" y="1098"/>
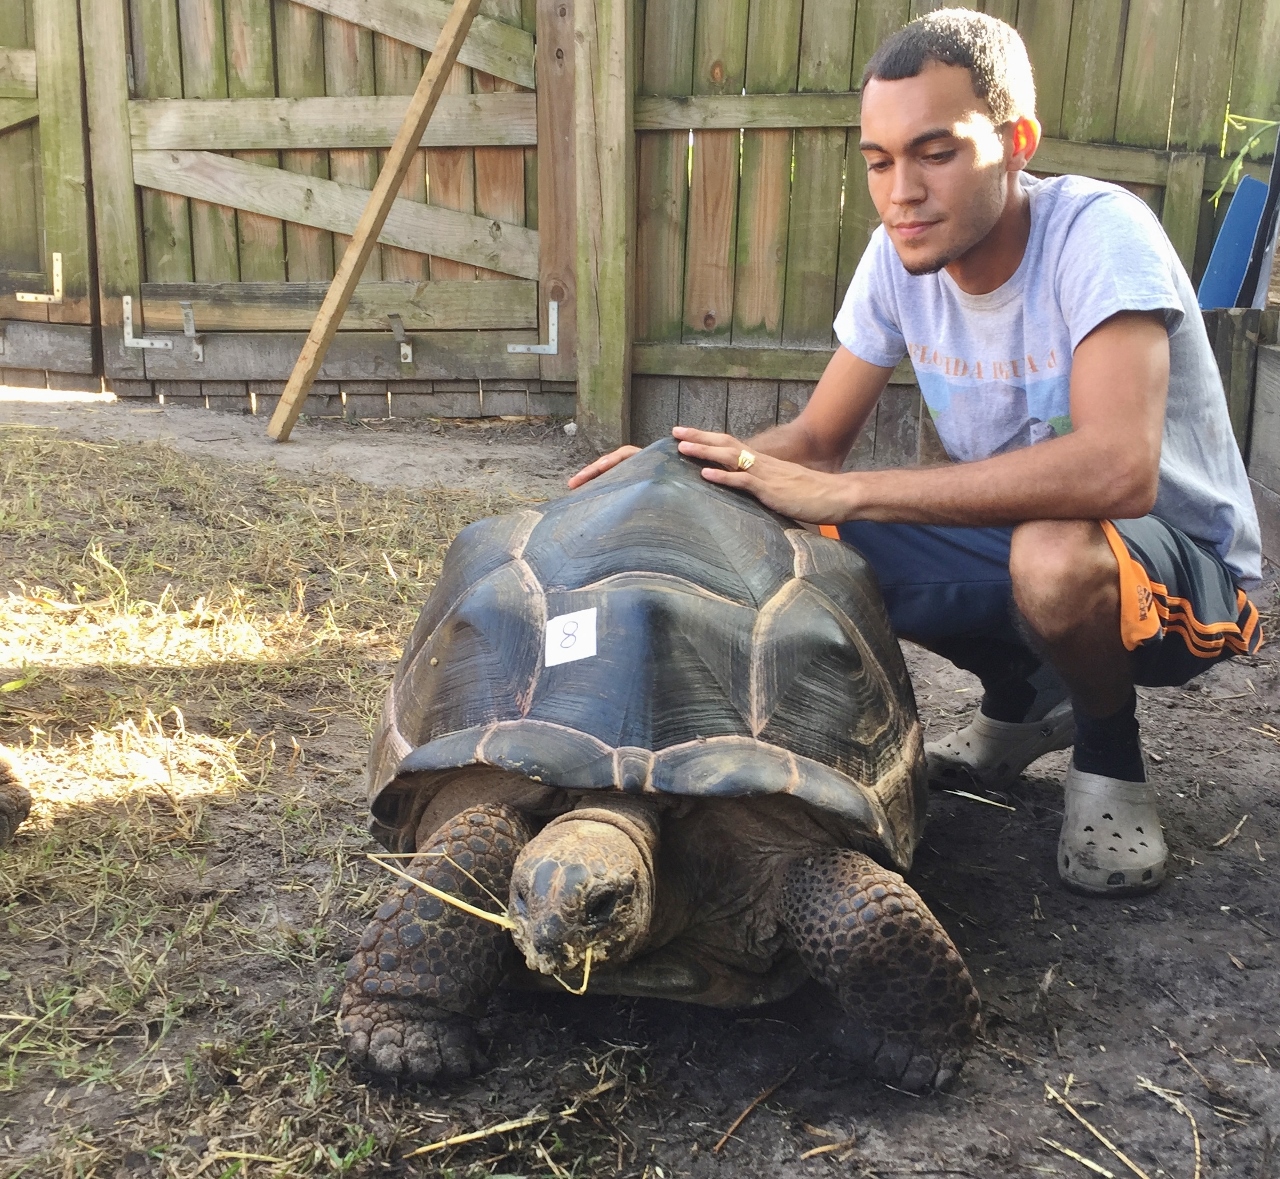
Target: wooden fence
<point x="682" y="176"/>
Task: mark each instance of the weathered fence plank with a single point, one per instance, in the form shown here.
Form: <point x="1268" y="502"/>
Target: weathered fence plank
<point x="20" y="226"/>
<point x="826" y="63"/>
<point x="775" y="364"/>
<point x="1255" y="81"/>
<point x="355" y="356"/>
<point x="554" y="210"/>
<point x="111" y="164"/>
<point x="1148" y="72"/>
<point x="709" y="112"/>
<point x="511" y="249"/>
<point x="62" y="160"/>
<point x="202" y="34"/>
<point x="719" y="63"/>
<point x="1180" y="215"/>
<point x="348" y="73"/>
<point x="16" y="111"/>
<point x="422" y="306"/>
<point x="17" y="66"/>
<point x="773" y="50"/>
<point x="662" y="200"/>
<point x="604" y="86"/>
<point x="451" y="184"/>
<point x="62" y="347"/>
<point x="1094" y="59"/>
<point x="1209" y="31"/>
<point x="397" y="69"/>
<point x="251" y="75"/>
<point x="157" y="73"/>
<point x="270" y="124"/>
<point x="300" y="74"/>
<point x="492" y="46"/>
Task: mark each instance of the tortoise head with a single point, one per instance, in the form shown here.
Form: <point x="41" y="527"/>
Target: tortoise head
<point x="585" y="881"/>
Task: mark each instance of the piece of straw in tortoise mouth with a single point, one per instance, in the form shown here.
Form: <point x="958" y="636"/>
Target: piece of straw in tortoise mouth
<point x="500" y="919"/>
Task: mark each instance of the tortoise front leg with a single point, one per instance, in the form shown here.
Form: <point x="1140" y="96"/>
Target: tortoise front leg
<point x="425" y="969"/>
<point x="15" y="802"/>
<point x="862" y="931"/>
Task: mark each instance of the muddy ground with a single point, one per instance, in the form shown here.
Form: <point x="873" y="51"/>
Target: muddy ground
<point x="1158" y="1018"/>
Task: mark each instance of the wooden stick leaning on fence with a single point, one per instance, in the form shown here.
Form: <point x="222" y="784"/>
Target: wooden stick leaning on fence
<point x="373" y="218"/>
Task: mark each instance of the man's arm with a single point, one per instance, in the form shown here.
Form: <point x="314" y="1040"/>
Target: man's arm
<point x="820" y="438"/>
<point x="826" y="429"/>
<point x="1106" y="468"/>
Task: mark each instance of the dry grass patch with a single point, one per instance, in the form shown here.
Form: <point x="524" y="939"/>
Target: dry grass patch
<point x="191" y="657"/>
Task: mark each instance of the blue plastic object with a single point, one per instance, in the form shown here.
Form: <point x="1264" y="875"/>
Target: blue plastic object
<point x="1220" y="286"/>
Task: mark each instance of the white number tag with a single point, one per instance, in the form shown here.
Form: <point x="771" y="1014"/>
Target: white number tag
<point x="571" y="636"/>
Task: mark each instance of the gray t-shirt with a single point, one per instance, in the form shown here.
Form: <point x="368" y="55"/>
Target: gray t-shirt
<point x="995" y="369"/>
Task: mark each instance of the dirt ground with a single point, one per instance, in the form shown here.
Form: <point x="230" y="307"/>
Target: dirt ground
<point x="175" y="918"/>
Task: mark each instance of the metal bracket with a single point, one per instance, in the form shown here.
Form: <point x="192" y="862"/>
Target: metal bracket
<point x="552" y="346"/>
<point x="56" y="297"/>
<point x="189" y="330"/>
<point x="406" y="345"/>
<point x="130" y="341"/>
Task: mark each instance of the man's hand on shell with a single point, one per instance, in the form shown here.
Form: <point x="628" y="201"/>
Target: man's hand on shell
<point x="604" y="463"/>
<point x="812" y="497"/>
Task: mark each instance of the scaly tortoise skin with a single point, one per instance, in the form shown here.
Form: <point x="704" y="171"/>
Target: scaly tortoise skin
<point x="15" y="801"/>
<point x="697" y="804"/>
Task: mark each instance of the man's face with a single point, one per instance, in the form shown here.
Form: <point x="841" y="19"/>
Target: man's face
<point x="936" y="164"/>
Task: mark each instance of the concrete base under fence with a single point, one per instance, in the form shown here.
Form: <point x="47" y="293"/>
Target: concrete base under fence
<point x="367" y="400"/>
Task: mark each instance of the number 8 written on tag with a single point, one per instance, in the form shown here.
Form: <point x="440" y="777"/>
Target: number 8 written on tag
<point x="570" y="637"/>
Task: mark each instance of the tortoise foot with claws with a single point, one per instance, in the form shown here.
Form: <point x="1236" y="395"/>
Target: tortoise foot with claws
<point x="667" y="740"/>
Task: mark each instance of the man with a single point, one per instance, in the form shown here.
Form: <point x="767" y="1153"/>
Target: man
<point x="1096" y="530"/>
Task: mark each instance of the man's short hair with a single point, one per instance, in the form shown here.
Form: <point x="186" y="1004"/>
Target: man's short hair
<point x="989" y="49"/>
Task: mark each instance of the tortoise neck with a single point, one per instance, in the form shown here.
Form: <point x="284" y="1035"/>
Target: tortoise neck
<point x="638" y="818"/>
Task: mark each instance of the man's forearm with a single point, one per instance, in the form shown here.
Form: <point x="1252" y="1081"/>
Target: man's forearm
<point x="1071" y="478"/>
<point x="794" y="443"/>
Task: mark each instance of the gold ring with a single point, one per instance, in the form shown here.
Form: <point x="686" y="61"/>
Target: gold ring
<point x="746" y="460"/>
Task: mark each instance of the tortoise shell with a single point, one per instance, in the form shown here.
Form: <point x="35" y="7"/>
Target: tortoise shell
<point x="712" y="649"/>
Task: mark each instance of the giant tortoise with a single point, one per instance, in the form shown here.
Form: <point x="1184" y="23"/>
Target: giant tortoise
<point x="672" y="735"/>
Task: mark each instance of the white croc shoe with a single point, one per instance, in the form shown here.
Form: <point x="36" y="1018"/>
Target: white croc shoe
<point x="1111" y="842"/>
<point x="991" y="753"/>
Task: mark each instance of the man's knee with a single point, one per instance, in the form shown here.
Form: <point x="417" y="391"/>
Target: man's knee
<point x="1063" y="574"/>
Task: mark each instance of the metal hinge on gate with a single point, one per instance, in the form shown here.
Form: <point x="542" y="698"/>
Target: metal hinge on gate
<point x="130" y="341"/>
<point x="552" y="346"/>
<point x="406" y="345"/>
<point x="56" y="297"/>
<point x="189" y="330"/>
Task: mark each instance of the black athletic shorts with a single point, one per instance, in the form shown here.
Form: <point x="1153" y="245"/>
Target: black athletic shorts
<point x="1180" y="613"/>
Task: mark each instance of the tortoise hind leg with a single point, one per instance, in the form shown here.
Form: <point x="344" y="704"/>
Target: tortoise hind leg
<point x="15" y="801"/>
<point x="862" y="931"/>
<point x="425" y="969"/>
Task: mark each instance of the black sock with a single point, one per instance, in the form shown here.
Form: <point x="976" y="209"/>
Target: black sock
<point x="1017" y="685"/>
<point x="1109" y="745"/>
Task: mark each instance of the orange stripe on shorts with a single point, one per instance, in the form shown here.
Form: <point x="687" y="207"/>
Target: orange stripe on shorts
<point x="1139" y="619"/>
<point x="830" y="531"/>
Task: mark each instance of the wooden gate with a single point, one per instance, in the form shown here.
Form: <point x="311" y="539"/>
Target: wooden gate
<point x="45" y="306"/>
<point x="233" y="143"/>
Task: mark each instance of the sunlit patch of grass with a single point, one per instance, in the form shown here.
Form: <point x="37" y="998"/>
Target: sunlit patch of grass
<point x="192" y="655"/>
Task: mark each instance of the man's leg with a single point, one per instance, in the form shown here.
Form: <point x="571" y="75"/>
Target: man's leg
<point x="1067" y="591"/>
<point x="949" y="590"/>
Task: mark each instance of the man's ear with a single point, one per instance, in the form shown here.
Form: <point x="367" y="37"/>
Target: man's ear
<point x="1025" y="139"/>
